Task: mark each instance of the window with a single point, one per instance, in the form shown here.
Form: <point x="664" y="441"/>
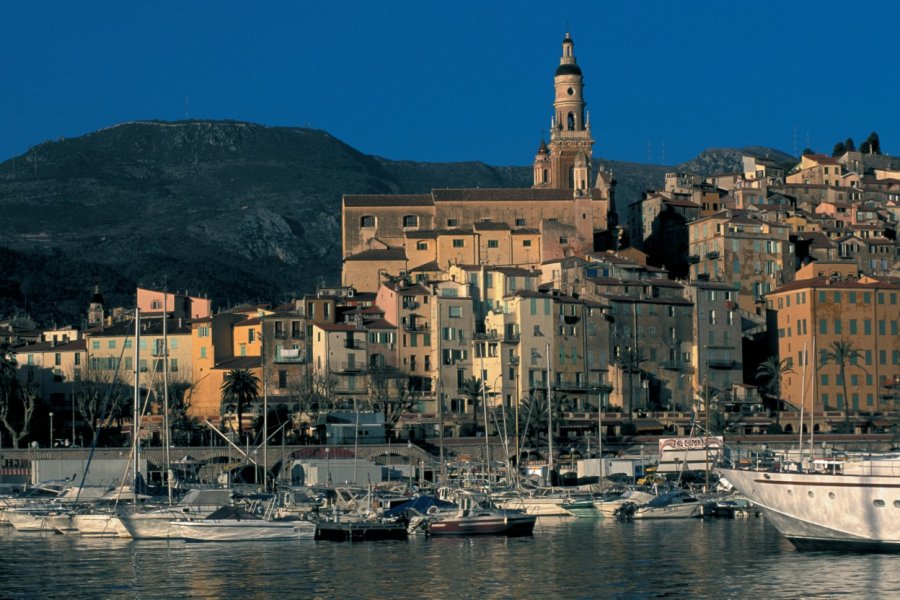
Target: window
<point x="202" y="351"/>
<point x="563" y="240"/>
<point x="520" y="222"/>
<point x="95" y="345"/>
<point x="452" y="222"/>
<point x="282" y="379"/>
<point x="455" y="312"/>
<point x="57" y="359"/>
<point x="457" y="243"/>
<point x="173" y="343"/>
<point x="421" y="245"/>
<point x="410" y="221"/>
<point x="173" y="365"/>
<point x="526" y="243"/>
<point x="111" y="344"/>
<point x="367" y="221"/>
<point x="493" y="244"/>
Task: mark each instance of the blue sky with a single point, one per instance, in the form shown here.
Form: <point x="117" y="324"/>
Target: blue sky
<point x="459" y="80"/>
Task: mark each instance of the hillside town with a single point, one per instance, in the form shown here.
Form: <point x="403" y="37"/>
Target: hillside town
<point x="747" y="298"/>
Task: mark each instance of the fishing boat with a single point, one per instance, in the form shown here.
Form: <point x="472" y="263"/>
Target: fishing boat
<point x="609" y="505"/>
<point x="156" y="524"/>
<point x="679" y="504"/>
<point x="233" y="524"/>
<point x="829" y="504"/>
<point x="483" y="521"/>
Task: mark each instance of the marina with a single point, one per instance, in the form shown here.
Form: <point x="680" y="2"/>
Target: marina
<point x="697" y="558"/>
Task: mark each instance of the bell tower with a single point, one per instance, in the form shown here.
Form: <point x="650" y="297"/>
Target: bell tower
<point x="571" y="145"/>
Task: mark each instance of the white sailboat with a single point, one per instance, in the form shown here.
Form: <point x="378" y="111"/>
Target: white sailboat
<point x="232" y="524"/>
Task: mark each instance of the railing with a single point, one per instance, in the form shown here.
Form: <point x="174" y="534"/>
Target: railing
<point x="354" y="367"/>
<point x="673" y="365"/>
<point x="416" y="327"/>
<point x="720" y="363"/>
<point x="354" y="344"/>
<point x="511" y="338"/>
<point x="280" y="335"/>
<point x="714" y="254"/>
<point x="290" y="356"/>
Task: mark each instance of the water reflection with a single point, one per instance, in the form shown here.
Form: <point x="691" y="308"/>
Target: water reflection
<point x="565" y="558"/>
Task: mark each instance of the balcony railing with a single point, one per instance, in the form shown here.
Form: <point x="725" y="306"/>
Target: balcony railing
<point x="673" y="365"/>
<point x="354" y="344"/>
<point x="720" y="363"/>
<point x="511" y="338"/>
<point x="294" y="355"/>
<point x="714" y="254"/>
<point x="353" y="367"/>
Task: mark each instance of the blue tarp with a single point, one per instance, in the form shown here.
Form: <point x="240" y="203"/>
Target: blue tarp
<point x="420" y="505"/>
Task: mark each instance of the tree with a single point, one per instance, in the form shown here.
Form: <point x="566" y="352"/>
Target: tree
<point x="100" y="397"/>
<point x="849" y="146"/>
<point x="839" y="149"/>
<point x="240" y="388"/>
<point x="772" y="371"/>
<point x="473" y="389"/>
<point x="844" y="354"/>
<point x="17" y="401"/>
<point x="808" y="151"/>
<point x="390" y="392"/>
<point x="872" y="144"/>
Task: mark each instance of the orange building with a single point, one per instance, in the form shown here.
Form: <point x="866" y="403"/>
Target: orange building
<point x="815" y="311"/>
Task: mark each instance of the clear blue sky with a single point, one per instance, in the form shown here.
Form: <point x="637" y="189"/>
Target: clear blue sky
<point x="457" y="80"/>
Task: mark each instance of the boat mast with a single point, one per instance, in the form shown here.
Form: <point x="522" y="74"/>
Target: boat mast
<point x="165" y="318"/>
<point x="802" y="397"/>
<point x="549" y="421"/>
<point x="137" y="401"/>
<point x="487" y="441"/>
<point x="812" y="407"/>
<point x="262" y="346"/>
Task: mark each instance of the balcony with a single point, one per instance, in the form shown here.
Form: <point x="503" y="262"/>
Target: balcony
<point x="513" y="361"/>
<point x="720" y="363"/>
<point x="713" y="255"/>
<point x="352" y="367"/>
<point x="280" y="335"/>
<point x="674" y="365"/>
<point x="693" y="259"/>
<point x="354" y="344"/>
<point x="294" y="355"/>
<point x="511" y="338"/>
<point x="414" y="327"/>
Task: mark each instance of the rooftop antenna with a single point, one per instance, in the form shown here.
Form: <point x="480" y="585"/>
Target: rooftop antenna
<point x="795" y="140"/>
<point x="649" y="152"/>
<point x="663" y="152"/>
<point x="187" y="107"/>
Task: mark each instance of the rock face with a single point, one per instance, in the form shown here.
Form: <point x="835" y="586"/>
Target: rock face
<point x="236" y="210"/>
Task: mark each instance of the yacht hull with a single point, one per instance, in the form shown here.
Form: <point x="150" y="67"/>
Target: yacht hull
<point x="826" y="511"/>
<point x="233" y="530"/>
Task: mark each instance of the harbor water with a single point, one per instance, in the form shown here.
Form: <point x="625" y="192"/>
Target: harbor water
<point x="572" y="558"/>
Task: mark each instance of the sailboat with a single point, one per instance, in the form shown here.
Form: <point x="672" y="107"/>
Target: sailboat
<point x="234" y="524"/>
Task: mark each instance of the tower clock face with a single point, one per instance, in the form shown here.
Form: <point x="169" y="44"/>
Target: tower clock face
<point x="570" y="91"/>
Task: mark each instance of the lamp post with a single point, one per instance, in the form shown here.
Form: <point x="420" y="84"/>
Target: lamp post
<point x="73" y="419"/>
<point x="51" y="429"/>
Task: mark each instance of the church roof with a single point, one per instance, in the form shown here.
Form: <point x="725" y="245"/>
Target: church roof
<point x="388" y="200"/>
<point x="568" y="69"/>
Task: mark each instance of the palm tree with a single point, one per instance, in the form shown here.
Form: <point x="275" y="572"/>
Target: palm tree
<point x="844" y="354"/>
<point x="772" y="371"/>
<point x="240" y="387"/>
<point x="473" y="389"/>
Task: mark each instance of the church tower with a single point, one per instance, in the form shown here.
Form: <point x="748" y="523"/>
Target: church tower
<point x="571" y="145"/>
<point x="95" y="309"/>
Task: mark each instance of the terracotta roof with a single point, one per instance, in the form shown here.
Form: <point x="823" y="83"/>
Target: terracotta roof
<point x="822" y="159"/>
<point x="825" y="282"/>
<point x="380" y="324"/>
<point x="239" y="362"/>
<point x="388" y="200"/>
<point x="504" y="195"/>
<point x="421" y="235"/>
<point x="247" y="322"/>
<point x="428" y="267"/>
<point x="76" y="346"/>
<point x="337" y="326"/>
<point x="525" y="231"/>
<point x="379" y="254"/>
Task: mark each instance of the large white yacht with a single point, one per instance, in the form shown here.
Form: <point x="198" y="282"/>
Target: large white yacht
<point x="849" y="504"/>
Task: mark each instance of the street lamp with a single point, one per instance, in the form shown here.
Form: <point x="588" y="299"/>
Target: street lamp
<point x="51" y="429"/>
